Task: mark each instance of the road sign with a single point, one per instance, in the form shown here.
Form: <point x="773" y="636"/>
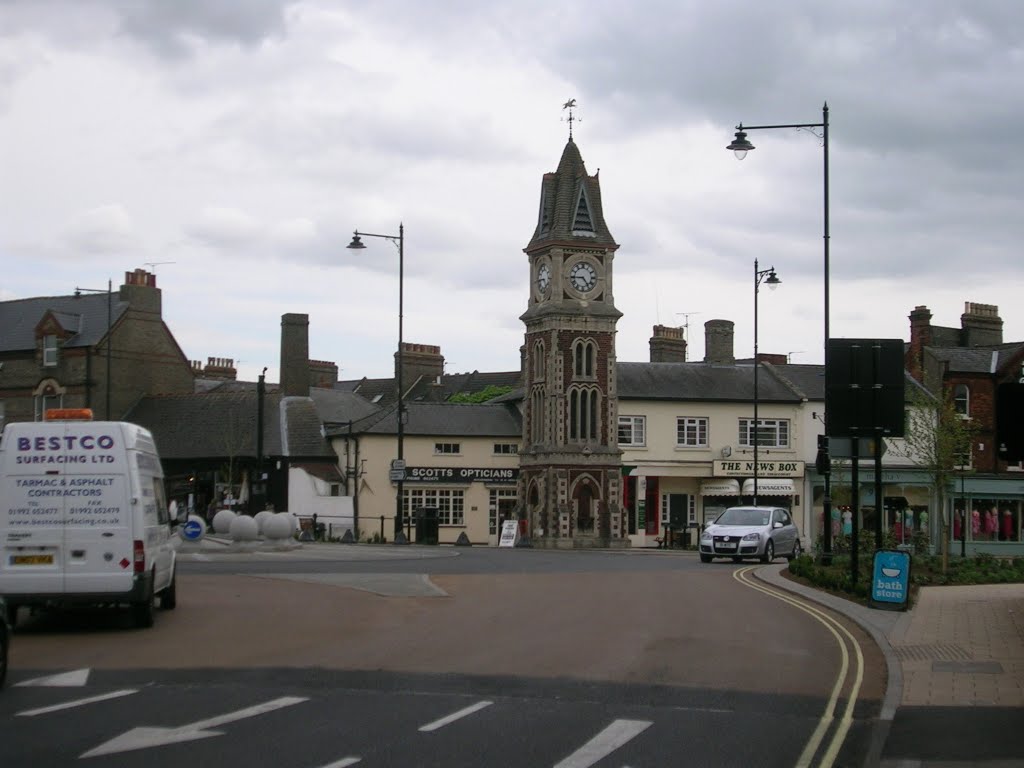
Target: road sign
<point x="192" y="530"/>
<point x="398" y="464"/>
<point x="397" y="475"/>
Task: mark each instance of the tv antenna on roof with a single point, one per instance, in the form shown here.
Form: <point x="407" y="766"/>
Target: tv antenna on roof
<point x="155" y="264"/>
<point x="686" y="323"/>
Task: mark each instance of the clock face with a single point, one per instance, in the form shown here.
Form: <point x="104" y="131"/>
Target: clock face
<point x="543" y="277"/>
<point x="583" y="276"/>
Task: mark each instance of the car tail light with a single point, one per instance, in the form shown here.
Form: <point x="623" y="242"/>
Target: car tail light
<point x="139" y="556"/>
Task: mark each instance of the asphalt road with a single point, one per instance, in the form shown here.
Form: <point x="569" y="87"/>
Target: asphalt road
<point x="568" y="648"/>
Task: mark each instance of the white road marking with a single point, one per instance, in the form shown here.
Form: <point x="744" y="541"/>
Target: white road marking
<point x="344" y="762"/>
<point x="607" y="741"/>
<point x="455" y="716"/>
<point x="74" y="679"/>
<point x="145" y="737"/>
<point x="76" y="703"/>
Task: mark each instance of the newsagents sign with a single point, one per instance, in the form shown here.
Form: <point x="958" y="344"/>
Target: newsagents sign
<point x="461" y="475"/>
<point x="745" y="468"/>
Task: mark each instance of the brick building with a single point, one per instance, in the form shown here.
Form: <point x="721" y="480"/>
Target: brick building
<point x="102" y="350"/>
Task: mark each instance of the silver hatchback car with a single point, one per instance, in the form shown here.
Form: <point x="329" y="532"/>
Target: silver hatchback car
<point x="761" y="532"/>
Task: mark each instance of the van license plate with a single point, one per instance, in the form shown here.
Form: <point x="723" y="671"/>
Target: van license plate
<point x="31" y="559"/>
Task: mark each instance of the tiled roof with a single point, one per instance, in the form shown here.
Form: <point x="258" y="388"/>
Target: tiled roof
<point x="976" y="359"/>
<point x="86" y="315"/>
<point x="441" y="419"/>
<point x="700" y="381"/>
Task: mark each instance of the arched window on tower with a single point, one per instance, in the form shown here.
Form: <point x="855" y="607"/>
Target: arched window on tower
<point x="962" y="400"/>
<point x="584" y="404"/>
<point x="538" y="361"/>
<point x="537" y="415"/>
<point x="584" y="353"/>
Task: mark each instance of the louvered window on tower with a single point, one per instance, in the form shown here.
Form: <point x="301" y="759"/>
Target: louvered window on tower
<point x="582" y="222"/>
<point x="545" y="221"/>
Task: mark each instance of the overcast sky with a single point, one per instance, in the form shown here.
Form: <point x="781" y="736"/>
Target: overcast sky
<point x="233" y="147"/>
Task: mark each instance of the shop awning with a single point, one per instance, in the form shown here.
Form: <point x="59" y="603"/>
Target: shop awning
<point x="726" y="486"/>
<point x="769" y="486"/>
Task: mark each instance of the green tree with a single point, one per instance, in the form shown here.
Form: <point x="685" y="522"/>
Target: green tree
<point x="487" y="393"/>
<point x="938" y="440"/>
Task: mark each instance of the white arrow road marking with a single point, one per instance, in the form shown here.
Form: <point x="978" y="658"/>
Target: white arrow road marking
<point x="344" y="762"/>
<point x="76" y="703"/>
<point x="145" y="737"/>
<point x="455" y="716"/>
<point x="75" y="679"/>
<point x="606" y="742"/>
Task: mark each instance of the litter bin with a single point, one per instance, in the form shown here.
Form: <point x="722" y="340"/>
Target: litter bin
<point x="426" y="525"/>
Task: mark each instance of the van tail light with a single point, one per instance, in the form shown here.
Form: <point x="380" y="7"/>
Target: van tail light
<point x="139" y="556"/>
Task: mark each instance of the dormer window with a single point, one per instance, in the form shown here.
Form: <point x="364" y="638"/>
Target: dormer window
<point x="582" y="223"/>
<point x="49" y="350"/>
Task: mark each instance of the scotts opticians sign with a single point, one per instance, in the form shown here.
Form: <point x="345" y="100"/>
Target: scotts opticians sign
<point x="461" y="474"/>
<point x="745" y="468"/>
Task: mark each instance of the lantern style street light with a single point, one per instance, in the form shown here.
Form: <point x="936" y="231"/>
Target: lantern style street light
<point x="741" y="146"/>
<point x="398" y="465"/>
<point x="769" y="278"/>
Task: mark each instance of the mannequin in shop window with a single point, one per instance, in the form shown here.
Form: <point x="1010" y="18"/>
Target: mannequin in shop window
<point x="975" y="524"/>
<point x="958" y="525"/>
<point x="991" y="525"/>
<point x="1006" y="526"/>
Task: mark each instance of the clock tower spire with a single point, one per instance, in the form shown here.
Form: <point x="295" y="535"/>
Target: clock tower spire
<point x="570" y="477"/>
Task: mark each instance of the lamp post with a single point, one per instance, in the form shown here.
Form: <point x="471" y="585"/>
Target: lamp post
<point x="740" y="145"/>
<point x="397" y="466"/>
<point x="110" y="293"/>
<point x="772" y="280"/>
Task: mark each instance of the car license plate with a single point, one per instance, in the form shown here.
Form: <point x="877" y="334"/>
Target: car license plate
<point x="727" y="545"/>
<point x="31" y="559"/>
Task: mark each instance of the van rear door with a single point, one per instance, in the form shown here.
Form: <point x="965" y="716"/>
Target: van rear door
<point x="98" y="552"/>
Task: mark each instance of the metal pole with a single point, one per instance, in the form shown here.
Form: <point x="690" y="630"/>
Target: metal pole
<point x="826" y="505"/>
<point x="401" y="427"/>
<point x="757" y="280"/>
<point x="110" y="294"/>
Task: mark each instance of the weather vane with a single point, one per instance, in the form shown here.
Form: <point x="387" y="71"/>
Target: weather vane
<point x="571" y="105"/>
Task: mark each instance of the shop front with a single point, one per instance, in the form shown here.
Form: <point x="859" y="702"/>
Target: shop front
<point x="778" y="485"/>
<point x="987" y="515"/>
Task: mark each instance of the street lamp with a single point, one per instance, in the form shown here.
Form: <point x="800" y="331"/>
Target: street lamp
<point x="772" y="280"/>
<point x="110" y="293"/>
<point x="397" y="466"/>
<point x="741" y="145"/>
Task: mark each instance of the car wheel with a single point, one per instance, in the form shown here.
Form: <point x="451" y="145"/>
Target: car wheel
<point x="169" y="597"/>
<point x="142" y="611"/>
<point x="705" y="558"/>
<point x="797" y="550"/>
<point x="769" y="552"/>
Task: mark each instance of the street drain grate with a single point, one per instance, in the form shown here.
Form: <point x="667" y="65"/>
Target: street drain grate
<point x="942" y="652"/>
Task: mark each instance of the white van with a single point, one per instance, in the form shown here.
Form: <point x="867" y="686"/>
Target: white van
<point x="83" y="516"/>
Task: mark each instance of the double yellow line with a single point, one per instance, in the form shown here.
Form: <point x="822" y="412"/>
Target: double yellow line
<point x="828" y="717"/>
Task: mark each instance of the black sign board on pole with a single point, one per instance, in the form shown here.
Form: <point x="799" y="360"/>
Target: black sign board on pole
<point x="1010" y="421"/>
<point x="864" y="387"/>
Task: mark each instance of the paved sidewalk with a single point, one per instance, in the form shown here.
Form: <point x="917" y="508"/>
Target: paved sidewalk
<point x="959" y="651"/>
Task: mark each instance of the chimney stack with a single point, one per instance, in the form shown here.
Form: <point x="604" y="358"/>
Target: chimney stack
<point x="295" y="373"/>
<point x="668" y="345"/>
<point x="718" y="342"/>
<point x="980" y="325"/>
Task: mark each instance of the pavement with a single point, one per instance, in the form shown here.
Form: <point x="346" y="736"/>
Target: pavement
<point x="955" y="694"/>
<point x="955" y="663"/>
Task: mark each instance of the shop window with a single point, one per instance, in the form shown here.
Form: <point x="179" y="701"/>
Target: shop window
<point x="448" y="503"/>
<point x="502" y="505"/>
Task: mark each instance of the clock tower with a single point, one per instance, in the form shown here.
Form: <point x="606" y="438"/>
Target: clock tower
<point x="570" y="477"/>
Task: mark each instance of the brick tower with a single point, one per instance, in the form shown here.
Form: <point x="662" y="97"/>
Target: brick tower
<point x="570" y="477"/>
